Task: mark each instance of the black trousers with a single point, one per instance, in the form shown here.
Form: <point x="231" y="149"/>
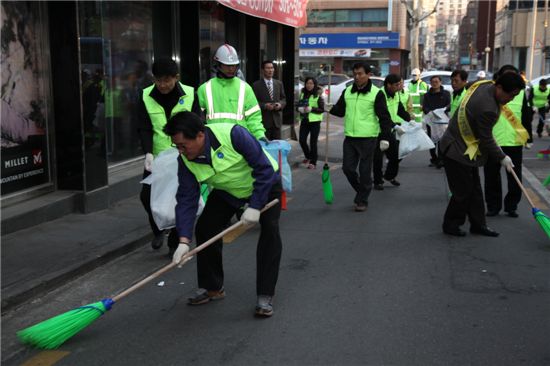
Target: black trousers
<point x="493" y="182"/>
<point x="359" y="151"/>
<point x="273" y="132"/>
<point x="312" y="129"/>
<point x="467" y="196"/>
<point x="145" y="197"/>
<point x="214" y="219"/>
<point x="392" y="153"/>
<point x="433" y="152"/>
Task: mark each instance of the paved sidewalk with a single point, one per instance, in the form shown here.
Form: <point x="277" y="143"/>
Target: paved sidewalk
<point x="46" y="256"/>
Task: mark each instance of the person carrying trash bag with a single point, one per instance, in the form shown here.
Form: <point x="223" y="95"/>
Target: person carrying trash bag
<point x="232" y="162"/>
<point x="512" y="132"/>
<point x="311" y="107"/>
<point x="166" y="97"/>
<point x="366" y="118"/>
<point x="467" y="144"/>
<point x="228" y="99"/>
<point x="392" y="84"/>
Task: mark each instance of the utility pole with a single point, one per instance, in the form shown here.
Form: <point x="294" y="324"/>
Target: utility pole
<point x="533" y="34"/>
<point x="415" y="10"/>
<point x="487" y="48"/>
<point x="545" y="49"/>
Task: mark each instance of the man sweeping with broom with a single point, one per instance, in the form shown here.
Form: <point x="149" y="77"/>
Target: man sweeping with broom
<point x="232" y="162"/>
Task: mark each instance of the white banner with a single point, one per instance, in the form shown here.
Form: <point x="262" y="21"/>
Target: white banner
<point x="348" y="52"/>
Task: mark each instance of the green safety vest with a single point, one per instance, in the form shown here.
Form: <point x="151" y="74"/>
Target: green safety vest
<point x="113" y="103"/>
<point x="417" y="91"/>
<point x="228" y="171"/>
<point x="540" y="98"/>
<point x="360" y="119"/>
<point x="393" y="106"/>
<point x="503" y="131"/>
<point x="455" y="103"/>
<point x="161" y="141"/>
<point x="313" y="102"/>
<point x="231" y="101"/>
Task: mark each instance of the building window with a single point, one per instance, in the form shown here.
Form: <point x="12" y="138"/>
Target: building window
<point x="348" y="18"/>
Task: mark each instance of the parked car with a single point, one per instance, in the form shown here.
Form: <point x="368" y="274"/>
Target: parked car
<point x="535" y="82"/>
<point x="427" y="75"/>
<point x="337" y="90"/>
<point x="335" y="79"/>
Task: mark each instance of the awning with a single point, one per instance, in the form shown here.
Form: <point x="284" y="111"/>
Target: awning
<point x="287" y="12"/>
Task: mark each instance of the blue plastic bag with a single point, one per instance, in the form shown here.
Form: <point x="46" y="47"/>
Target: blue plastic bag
<point x="284" y="147"/>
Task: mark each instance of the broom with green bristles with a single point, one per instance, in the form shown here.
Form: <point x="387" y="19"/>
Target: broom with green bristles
<point x="52" y="333"/>
<point x="325" y="177"/>
<point x="540" y="217"/>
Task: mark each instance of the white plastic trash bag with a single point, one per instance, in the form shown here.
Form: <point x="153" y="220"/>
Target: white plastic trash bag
<point x="284" y="147"/>
<point x="414" y="139"/>
<point x="164" y="186"/>
<point x="438" y="122"/>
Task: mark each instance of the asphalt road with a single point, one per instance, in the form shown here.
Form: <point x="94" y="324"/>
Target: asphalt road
<point x="383" y="287"/>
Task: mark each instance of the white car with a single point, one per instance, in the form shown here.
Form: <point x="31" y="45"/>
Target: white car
<point x="337" y="90"/>
<point x="535" y="82"/>
<point x="427" y="75"/>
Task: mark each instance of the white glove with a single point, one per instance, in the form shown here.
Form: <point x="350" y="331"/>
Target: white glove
<point x="528" y="145"/>
<point x="507" y="163"/>
<point x="412" y="123"/>
<point x="182" y="250"/>
<point x="307" y="109"/>
<point x="384" y="145"/>
<point x="400" y="130"/>
<point x="535" y="110"/>
<point x="250" y="216"/>
<point x="301" y="110"/>
<point x="149" y="162"/>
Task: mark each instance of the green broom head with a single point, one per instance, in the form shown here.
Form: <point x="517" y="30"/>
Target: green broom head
<point x="52" y="333"/>
<point x="543" y="220"/>
<point x="327" y="185"/>
<point x="546" y="181"/>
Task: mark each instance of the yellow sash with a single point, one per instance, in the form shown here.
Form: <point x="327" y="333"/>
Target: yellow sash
<point x="472" y="143"/>
<point x="521" y="133"/>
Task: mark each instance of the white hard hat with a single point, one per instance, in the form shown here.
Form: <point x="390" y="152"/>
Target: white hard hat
<point x="227" y="55"/>
<point x="415" y="71"/>
<point x="481" y="74"/>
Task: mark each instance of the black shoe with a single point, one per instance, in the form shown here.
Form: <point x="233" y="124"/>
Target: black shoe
<point x="171" y="251"/>
<point x="454" y="232"/>
<point x="394" y="182"/>
<point x="439" y="165"/>
<point x="512" y="213"/>
<point x="539" y="134"/>
<point x="491" y="213"/>
<point x="379" y="187"/>
<point x="484" y="230"/>
<point x="433" y="162"/>
<point x="157" y="241"/>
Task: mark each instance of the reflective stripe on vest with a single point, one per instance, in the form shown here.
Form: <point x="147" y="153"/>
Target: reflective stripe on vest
<point x="157" y="114"/>
<point x="229" y="171"/>
<point x="313" y="102"/>
<point x="360" y="119"/>
<point x="540" y="98"/>
<point x="239" y="116"/>
<point x="509" y="131"/>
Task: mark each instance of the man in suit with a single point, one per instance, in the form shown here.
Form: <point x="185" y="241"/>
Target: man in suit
<point x="467" y="144"/>
<point x="272" y="100"/>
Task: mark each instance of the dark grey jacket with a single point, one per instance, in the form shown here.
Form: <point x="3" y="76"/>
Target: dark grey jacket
<point x="482" y="111"/>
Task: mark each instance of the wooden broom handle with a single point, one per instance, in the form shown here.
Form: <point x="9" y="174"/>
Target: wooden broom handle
<point x="327" y="113"/>
<point x="186" y="257"/>
<point x="522" y="188"/>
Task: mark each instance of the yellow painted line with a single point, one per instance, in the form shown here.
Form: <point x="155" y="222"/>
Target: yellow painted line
<point x="539" y="203"/>
<point x="46" y="358"/>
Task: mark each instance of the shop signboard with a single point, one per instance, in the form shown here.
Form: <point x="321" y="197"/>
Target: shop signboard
<point x="24" y="148"/>
<point x="288" y="12"/>
<point x="349" y="40"/>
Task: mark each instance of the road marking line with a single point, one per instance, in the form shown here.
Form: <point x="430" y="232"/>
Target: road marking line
<point x="46" y="358"/>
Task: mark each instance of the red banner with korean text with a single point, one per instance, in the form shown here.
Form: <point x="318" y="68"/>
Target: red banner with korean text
<point x="288" y="12"/>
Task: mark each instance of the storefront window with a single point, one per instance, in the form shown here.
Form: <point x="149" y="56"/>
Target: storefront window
<point x="212" y="35"/>
<point x="25" y="97"/>
<point x="116" y="53"/>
